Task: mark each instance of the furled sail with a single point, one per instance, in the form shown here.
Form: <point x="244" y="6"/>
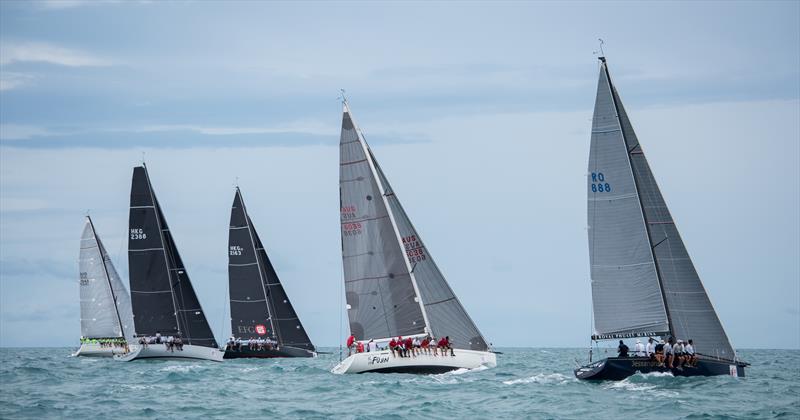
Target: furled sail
<point x="381" y="298"/>
<point x="259" y="304"/>
<point x="161" y="292"/>
<point x="669" y="291"/>
<point x="105" y="304"/>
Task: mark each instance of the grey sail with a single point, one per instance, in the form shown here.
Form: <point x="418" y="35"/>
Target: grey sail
<point x="105" y="304"/>
<point x="689" y="312"/>
<point x="446" y="316"/>
<point x="380" y="294"/>
<point x="259" y="304"/>
<point x="161" y="293"/>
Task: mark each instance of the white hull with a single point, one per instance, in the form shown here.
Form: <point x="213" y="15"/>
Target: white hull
<point x="159" y="351"/>
<point x="383" y="361"/>
<point x="94" y="350"/>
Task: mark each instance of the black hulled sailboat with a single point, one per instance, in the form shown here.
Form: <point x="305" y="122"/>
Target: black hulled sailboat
<point x="643" y="281"/>
<point x="263" y="322"/>
<point x="163" y="299"/>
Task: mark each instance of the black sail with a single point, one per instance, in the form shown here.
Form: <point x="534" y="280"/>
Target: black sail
<point x="161" y="293"/>
<point x="259" y="304"/>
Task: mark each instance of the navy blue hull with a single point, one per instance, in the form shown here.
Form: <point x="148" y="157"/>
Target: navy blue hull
<point x="618" y="368"/>
<point x="284" y="351"/>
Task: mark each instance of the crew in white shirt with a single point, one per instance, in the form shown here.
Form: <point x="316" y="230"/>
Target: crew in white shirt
<point x="639" y="348"/>
<point x="650" y="348"/>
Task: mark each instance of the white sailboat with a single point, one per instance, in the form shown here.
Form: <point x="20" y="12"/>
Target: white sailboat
<point x="106" y="317"/>
<point x="393" y="286"/>
<point x="164" y="301"/>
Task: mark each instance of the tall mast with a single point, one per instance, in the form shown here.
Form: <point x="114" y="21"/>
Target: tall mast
<point x="258" y="261"/>
<point x="163" y="247"/>
<point x="108" y="278"/>
<point x="381" y="189"/>
<point x="638" y="195"/>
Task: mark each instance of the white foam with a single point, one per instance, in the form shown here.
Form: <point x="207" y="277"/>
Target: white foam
<point x="542" y="378"/>
<point x="180" y="368"/>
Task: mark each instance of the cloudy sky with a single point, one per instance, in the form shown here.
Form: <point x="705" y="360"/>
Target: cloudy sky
<point x="479" y="114"/>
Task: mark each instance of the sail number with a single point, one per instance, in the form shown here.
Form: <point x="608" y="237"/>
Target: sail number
<point x="84" y="278"/>
<point x="235" y="250"/>
<point x="352" y="229"/>
<point x="348" y="212"/>
<point x="138" y="234"/>
<point x="599" y="184"/>
<point x="414" y="249"/>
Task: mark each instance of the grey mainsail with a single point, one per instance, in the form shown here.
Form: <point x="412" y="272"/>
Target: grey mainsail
<point x="105" y="304"/>
<point x="259" y="304"/>
<point x="380" y="295"/>
<point x="643" y="280"/>
<point x="161" y="293"/>
<point x="393" y="285"/>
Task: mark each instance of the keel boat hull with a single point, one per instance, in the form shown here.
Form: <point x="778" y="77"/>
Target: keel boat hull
<point x="384" y="362"/>
<point x="159" y="351"/>
<point x="619" y="368"/>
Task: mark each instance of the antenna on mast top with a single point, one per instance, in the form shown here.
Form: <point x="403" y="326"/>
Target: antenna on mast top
<point x="602" y="53"/>
<point x="342" y="97"/>
<point x="143" y="157"/>
<point x="237" y="182"/>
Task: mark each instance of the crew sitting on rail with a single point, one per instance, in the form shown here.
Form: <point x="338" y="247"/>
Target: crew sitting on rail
<point x="444" y="344"/>
<point x="650" y="349"/>
<point x="660" y="353"/>
<point x="691" y="357"/>
<point x="639" y="348"/>
<point x="622" y="349"/>
<point x="678" y="352"/>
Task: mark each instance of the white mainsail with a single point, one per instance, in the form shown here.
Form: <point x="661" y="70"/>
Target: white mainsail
<point x="105" y="303"/>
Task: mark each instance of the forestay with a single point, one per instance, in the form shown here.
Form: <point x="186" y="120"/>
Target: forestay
<point x="380" y="295"/>
<point x="105" y="304"/>
<point x="259" y="304"/>
<point x="161" y="292"/>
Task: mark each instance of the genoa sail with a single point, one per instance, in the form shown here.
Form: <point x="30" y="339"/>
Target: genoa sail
<point x="393" y="286"/>
<point x="259" y="303"/>
<point x="105" y="304"/>
<point x="643" y="280"/>
<point x="163" y="298"/>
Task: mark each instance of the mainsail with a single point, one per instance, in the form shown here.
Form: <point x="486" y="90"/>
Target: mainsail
<point x="643" y="281"/>
<point x="162" y="295"/>
<point x="393" y="286"/>
<point x="259" y="304"/>
<point x="105" y="304"/>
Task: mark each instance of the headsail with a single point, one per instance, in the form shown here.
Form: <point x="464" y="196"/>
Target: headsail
<point x="259" y="304"/>
<point x="105" y="304"/>
<point x="378" y="237"/>
<point x="161" y="292"/>
<point x="641" y="270"/>
<point x="446" y="316"/>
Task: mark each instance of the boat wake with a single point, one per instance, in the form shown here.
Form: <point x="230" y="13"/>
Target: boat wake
<point x="642" y="388"/>
<point x="542" y="378"/>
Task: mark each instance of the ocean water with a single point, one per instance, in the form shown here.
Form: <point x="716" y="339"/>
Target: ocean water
<point x="528" y="383"/>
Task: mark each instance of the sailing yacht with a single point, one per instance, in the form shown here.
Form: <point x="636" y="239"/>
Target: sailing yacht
<point x="393" y="286"/>
<point x="643" y="281"/>
<point x="261" y="313"/>
<point x="164" y="302"/>
<point x="106" y="318"/>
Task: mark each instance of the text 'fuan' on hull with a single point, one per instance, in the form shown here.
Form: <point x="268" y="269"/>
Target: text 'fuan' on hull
<point x="643" y="281"/>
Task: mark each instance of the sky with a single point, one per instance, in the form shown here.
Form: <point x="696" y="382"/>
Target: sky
<point x="479" y="113"/>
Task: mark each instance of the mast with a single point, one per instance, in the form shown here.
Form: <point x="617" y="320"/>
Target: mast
<point x="267" y="300"/>
<point x="381" y="189"/>
<point x="157" y="212"/>
<point x="638" y="194"/>
<point x="108" y="277"/>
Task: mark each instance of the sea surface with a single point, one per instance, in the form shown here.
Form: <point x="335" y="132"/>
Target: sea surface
<point x="528" y="383"/>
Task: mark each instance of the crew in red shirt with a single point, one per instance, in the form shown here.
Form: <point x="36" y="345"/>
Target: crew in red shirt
<point x="392" y="345"/>
<point x="409" y="343"/>
<point x="350" y="341"/>
<point x="360" y="347"/>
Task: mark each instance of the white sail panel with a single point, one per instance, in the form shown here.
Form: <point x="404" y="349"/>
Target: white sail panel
<point x="380" y="295"/>
<point x="105" y="303"/>
<point x="626" y="293"/>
